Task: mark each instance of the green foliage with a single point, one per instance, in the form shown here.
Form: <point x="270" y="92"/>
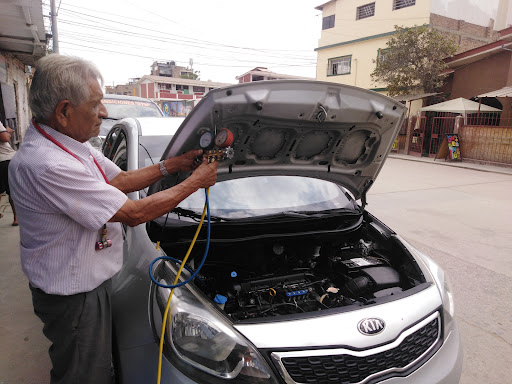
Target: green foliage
<point x="413" y="60"/>
<point x="192" y="76"/>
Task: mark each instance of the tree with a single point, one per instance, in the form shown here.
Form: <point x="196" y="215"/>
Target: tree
<point x="413" y="60"/>
<point x="191" y="76"/>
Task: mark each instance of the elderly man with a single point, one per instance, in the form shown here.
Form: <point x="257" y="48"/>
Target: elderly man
<point x="66" y="195"/>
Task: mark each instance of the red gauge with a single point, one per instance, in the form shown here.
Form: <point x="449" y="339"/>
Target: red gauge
<point x="224" y="138"/>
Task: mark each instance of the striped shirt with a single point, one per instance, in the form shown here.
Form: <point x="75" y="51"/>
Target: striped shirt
<point x="62" y="205"/>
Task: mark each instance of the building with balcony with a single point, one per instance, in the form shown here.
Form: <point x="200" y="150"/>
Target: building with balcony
<point x="174" y="95"/>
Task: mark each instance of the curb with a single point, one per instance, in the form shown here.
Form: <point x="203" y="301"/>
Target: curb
<point x="472" y="166"/>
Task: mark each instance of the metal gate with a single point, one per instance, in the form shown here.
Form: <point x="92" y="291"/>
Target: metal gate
<point x="440" y="127"/>
<point x="417" y="137"/>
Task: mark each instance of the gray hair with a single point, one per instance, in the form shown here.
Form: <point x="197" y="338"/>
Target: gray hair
<point x="60" y="78"/>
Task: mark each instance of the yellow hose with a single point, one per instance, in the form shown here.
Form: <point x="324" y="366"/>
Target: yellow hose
<point x="164" y="319"/>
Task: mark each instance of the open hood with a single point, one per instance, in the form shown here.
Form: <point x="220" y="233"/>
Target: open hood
<point x="296" y="127"/>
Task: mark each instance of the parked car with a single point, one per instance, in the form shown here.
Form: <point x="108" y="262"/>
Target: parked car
<point x="301" y="284"/>
<point x="121" y="106"/>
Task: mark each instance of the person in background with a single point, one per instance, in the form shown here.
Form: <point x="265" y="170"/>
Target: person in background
<point x="6" y="154"/>
<point x="69" y="197"/>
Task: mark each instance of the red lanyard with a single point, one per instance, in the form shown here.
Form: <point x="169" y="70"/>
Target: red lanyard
<point x="65" y="149"/>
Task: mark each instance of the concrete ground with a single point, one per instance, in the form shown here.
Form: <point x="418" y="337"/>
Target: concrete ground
<point x="458" y="214"/>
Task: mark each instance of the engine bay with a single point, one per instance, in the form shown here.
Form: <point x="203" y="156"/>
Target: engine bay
<point x="277" y="277"/>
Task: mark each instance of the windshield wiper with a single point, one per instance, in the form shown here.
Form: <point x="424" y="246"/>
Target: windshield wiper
<point x="324" y="213"/>
<point x="195" y="215"/>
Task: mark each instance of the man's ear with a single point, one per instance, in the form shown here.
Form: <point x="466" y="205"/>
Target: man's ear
<point x="62" y="112"/>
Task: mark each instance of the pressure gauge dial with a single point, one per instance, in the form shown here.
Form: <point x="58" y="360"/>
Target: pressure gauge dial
<point x="206" y="141"/>
<point x="224" y="138"/>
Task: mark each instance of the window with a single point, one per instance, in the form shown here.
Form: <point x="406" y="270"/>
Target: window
<point x="339" y="66"/>
<point x="399" y="4"/>
<point x="328" y="22"/>
<point x="164" y="86"/>
<point x="365" y="11"/>
<point x="381" y="55"/>
<point x="198" y="89"/>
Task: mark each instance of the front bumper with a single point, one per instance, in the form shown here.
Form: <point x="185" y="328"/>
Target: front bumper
<point x="444" y="367"/>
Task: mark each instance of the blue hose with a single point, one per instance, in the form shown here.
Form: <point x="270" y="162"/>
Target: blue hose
<point x="170" y="258"/>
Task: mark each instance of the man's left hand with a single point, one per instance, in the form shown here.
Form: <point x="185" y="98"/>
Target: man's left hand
<point x="189" y="160"/>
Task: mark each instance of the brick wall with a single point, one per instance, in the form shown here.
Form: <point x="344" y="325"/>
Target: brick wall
<point x="467" y="35"/>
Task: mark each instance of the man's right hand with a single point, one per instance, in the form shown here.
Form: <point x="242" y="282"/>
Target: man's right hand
<point x="205" y="175"/>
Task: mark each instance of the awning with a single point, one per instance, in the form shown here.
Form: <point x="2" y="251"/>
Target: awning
<point x="460" y="105"/>
<point x="503" y="92"/>
<point x="413" y="97"/>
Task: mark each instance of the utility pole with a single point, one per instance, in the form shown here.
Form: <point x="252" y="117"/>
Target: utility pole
<point x="55" y="33"/>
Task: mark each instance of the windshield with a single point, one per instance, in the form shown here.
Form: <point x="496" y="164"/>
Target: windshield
<point x="121" y="108"/>
<point x="268" y="195"/>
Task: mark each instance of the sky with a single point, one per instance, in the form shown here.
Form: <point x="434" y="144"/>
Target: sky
<point x="474" y="11"/>
<point x="223" y="38"/>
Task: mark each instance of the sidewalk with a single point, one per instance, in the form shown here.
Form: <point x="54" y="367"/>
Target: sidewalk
<point x="459" y="164"/>
<point x="24" y="356"/>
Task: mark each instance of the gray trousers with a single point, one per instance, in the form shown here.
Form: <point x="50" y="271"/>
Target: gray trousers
<point x="80" y="329"/>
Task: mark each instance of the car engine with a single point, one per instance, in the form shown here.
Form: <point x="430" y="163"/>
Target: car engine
<point x="277" y="278"/>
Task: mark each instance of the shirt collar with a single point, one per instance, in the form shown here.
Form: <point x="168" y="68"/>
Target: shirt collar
<point x="80" y="150"/>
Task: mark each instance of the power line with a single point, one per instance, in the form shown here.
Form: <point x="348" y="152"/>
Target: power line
<point x="163" y="39"/>
<point x="186" y="39"/>
<point x="130" y="44"/>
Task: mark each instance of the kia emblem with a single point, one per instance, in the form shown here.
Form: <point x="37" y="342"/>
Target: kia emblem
<point x="371" y="326"/>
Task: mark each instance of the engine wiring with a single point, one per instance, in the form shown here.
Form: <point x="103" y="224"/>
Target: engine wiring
<point x="206" y="211"/>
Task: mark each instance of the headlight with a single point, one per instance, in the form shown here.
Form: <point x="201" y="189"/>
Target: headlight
<point x="444" y="287"/>
<point x="198" y="336"/>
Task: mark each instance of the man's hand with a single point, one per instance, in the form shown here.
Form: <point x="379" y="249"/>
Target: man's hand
<point x="9" y="129"/>
<point x="186" y="162"/>
<point x="205" y="175"/>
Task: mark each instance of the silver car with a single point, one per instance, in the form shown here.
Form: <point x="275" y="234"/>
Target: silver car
<point x="291" y="279"/>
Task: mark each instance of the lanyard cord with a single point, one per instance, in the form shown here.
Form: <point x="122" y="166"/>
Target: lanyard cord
<point x="45" y="134"/>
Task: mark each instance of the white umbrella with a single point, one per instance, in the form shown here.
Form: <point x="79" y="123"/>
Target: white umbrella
<point x="460" y="105"/>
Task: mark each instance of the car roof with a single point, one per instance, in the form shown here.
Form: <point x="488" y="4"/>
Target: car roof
<point x="125" y="97"/>
<point x="154" y="126"/>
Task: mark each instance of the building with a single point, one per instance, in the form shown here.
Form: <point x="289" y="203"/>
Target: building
<point x="170" y="69"/>
<point x="262" y="73"/>
<point x="122" y="89"/>
<point x="355" y="32"/>
<point x="480" y="70"/>
<point x="174" y="95"/>
<point x="23" y="41"/>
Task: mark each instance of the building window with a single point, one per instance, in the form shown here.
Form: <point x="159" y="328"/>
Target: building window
<point x="381" y="55"/>
<point x="257" y="78"/>
<point x="328" y="22"/>
<point x="365" y="11"/>
<point x="399" y="4"/>
<point x="180" y="87"/>
<point x="339" y="66"/>
<point x="162" y="86"/>
<point x="198" y="89"/>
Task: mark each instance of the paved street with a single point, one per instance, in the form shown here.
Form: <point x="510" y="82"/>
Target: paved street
<point x="459" y="217"/>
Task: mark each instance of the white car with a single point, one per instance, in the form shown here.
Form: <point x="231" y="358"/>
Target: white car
<point x="292" y="280"/>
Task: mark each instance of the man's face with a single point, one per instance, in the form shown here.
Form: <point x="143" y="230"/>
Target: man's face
<point x="85" y="119"/>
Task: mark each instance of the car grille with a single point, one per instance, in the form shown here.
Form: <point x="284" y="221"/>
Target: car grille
<point x="350" y="367"/>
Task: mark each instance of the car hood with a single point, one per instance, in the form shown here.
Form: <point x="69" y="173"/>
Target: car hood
<point x="304" y="128"/>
